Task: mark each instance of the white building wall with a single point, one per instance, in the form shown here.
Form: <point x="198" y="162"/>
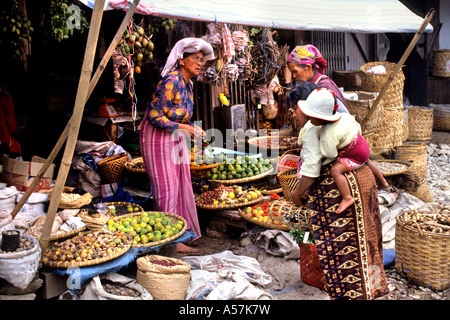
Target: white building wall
<point x="444" y="17"/>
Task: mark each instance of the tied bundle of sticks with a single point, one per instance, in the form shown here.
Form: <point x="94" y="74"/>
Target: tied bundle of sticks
<point x="266" y="59"/>
<point x="435" y="222"/>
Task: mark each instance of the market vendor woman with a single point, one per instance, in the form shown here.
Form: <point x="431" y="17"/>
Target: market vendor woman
<point x="307" y="64"/>
<point x="163" y="145"/>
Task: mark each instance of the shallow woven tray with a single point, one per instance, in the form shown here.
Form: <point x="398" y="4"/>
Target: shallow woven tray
<point x="269" y="192"/>
<point x="206" y="166"/>
<point x="393" y="161"/>
<point x="130" y="165"/>
<point x="65" y="264"/>
<point x="222" y="207"/>
<point x="263" y="224"/>
<point x="242" y="180"/>
<point x="61" y="235"/>
<point x="115" y="204"/>
<point x="172" y="218"/>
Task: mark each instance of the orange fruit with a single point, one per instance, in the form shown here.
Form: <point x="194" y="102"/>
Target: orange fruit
<point x="137" y="69"/>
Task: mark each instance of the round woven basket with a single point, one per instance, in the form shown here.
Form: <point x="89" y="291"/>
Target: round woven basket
<point x="441" y="63"/>
<point x="264" y="224"/>
<point x="112" y="169"/>
<point x="420" y="123"/>
<point x="288" y="181"/>
<point x="402" y="167"/>
<point x="441" y="117"/>
<point x="381" y="140"/>
<point x="372" y="82"/>
<point x="360" y="107"/>
<point x="416" y="154"/>
<point x="287" y="213"/>
<point x="422" y="256"/>
<point x="395" y="124"/>
<point x="201" y="171"/>
<point x="136" y="174"/>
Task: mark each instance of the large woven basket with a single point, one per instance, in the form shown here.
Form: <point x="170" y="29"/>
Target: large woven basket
<point x="420" y="123"/>
<point x="136" y="174"/>
<point x="395" y="124"/>
<point x="112" y="169"/>
<point x="421" y="256"/>
<point x="372" y="82"/>
<point x="441" y="63"/>
<point x="288" y="181"/>
<point x="441" y="117"/>
<point x="361" y="106"/>
<point x="416" y="154"/>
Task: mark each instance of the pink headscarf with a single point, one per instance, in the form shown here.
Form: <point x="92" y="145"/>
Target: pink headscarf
<point x="308" y="54"/>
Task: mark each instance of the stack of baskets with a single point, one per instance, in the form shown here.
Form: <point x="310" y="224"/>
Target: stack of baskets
<point x="441" y="60"/>
<point x="390" y="133"/>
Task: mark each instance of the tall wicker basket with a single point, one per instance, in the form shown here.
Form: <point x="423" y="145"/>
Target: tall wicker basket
<point x="441" y="63"/>
<point x="361" y="106"/>
<point x="417" y="155"/>
<point x="422" y="256"/>
<point x="420" y="123"/>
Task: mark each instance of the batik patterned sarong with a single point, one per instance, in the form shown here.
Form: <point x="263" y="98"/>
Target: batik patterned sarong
<point x="349" y="244"/>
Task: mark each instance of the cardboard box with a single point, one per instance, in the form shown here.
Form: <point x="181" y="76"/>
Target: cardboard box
<point x="21" y="174"/>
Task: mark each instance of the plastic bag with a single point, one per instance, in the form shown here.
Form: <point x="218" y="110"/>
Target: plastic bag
<point x="19" y="268"/>
<point x="95" y="290"/>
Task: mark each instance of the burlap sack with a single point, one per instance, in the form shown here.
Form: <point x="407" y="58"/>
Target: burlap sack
<point x="163" y="282"/>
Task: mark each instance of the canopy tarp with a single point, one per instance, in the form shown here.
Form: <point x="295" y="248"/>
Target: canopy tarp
<point x="375" y="16"/>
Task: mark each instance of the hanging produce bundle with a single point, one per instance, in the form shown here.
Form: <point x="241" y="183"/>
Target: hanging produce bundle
<point x="161" y="25"/>
<point x="65" y="18"/>
<point x="16" y="31"/>
<point x="266" y="59"/>
<point x="138" y="45"/>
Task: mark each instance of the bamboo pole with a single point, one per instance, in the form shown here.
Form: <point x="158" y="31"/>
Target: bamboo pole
<point x="402" y="60"/>
<point x="92" y="85"/>
<point x="74" y="124"/>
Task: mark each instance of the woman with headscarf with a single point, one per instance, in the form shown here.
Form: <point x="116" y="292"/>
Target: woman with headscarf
<point x="307" y="65"/>
<point x="163" y="145"/>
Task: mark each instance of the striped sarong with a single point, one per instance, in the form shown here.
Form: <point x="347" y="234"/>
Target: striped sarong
<point x="167" y="160"/>
<point x="349" y="244"/>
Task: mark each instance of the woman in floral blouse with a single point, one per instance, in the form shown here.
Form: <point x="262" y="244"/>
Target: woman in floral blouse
<point x="165" y="132"/>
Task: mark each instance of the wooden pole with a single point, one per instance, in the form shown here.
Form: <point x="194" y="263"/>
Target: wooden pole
<point x="74" y="124"/>
<point x="92" y="85"/>
<point x="402" y="60"/>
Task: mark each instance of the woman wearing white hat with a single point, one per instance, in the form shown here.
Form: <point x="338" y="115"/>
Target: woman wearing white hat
<point x="341" y="139"/>
<point x="348" y="234"/>
<point x="165" y="152"/>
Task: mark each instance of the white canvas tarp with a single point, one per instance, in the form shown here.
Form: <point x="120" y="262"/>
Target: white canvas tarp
<point x="376" y="16"/>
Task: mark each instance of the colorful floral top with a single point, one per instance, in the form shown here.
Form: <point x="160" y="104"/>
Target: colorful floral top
<point x="172" y="103"/>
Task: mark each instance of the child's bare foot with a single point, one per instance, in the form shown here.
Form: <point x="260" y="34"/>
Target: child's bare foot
<point x="345" y="203"/>
<point x="382" y="185"/>
<point x="181" y="247"/>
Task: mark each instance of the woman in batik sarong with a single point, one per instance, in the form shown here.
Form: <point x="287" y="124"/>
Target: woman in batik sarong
<point x="349" y="241"/>
<point x="307" y="64"/>
<point x="163" y="143"/>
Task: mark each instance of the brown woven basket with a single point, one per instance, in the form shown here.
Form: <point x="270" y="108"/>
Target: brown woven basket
<point x="374" y="82"/>
<point x="441" y="63"/>
<point x="420" y="123"/>
<point x="288" y="181"/>
<point x="264" y="224"/>
<point x="381" y="140"/>
<point x="201" y="171"/>
<point x="395" y="124"/>
<point x="243" y="180"/>
<point x="360" y="107"/>
<point x="416" y="154"/>
<point x="233" y="206"/>
<point x="287" y="213"/>
<point x="423" y="192"/>
<point x="421" y="256"/>
<point x="441" y="117"/>
<point x="112" y="169"/>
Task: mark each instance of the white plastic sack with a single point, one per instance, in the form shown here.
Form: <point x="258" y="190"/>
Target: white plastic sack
<point x="19" y="268"/>
<point x="8" y="198"/>
<point x="226" y="276"/>
<point x="278" y="243"/>
<point x="94" y="289"/>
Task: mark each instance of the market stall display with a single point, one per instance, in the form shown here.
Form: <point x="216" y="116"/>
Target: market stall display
<point x="120" y="208"/>
<point x="392" y="167"/>
<point x="86" y="249"/>
<point x="258" y="214"/>
<point x="147" y="229"/>
<point x="274" y="142"/>
<point x="227" y="197"/>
